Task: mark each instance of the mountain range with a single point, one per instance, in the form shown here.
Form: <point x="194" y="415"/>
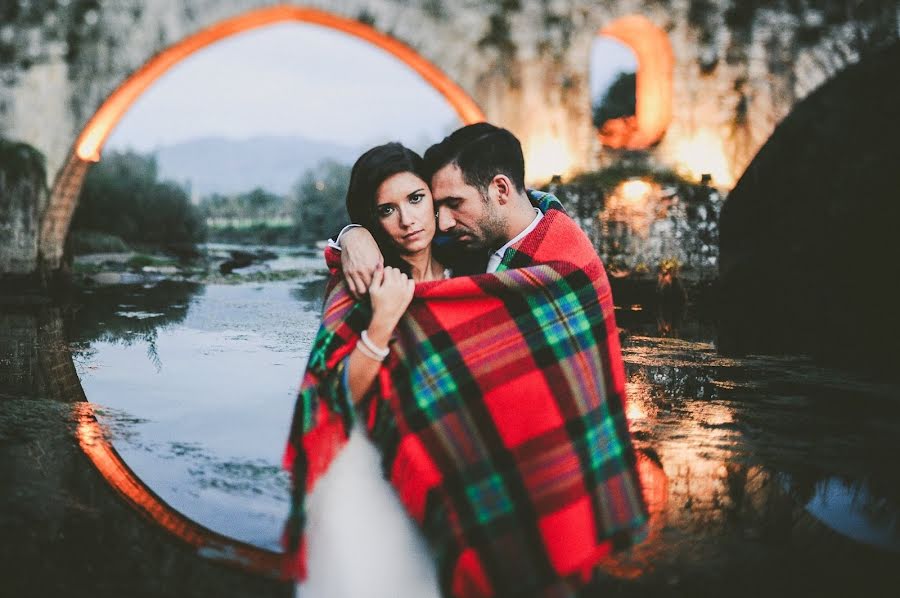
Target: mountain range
<point x="222" y="165"/>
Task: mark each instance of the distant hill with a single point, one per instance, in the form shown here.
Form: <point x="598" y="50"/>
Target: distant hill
<point x="221" y="165"/>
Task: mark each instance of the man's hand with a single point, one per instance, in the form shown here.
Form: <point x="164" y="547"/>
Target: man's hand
<point x="360" y="258"/>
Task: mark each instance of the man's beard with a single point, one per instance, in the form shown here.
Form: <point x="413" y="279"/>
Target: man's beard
<point x="490" y="234"/>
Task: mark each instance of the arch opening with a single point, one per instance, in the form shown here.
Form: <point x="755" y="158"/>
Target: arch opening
<point x="92" y="138"/>
<point x="101" y="124"/>
<point x="652" y="85"/>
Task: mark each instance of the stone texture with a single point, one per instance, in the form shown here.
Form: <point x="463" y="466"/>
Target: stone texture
<point x="739" y="66"/>
<point x="23" y="197"/>
<point x="807" y="255"/>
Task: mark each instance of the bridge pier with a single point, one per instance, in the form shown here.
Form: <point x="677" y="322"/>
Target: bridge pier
<point x="23" y="198"/>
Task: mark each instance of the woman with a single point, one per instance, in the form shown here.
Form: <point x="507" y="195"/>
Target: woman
<point x="361" y="541"/>
<point x="390" y="199"/>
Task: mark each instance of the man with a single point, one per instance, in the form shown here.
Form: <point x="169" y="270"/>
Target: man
<point x="501" y="413"/>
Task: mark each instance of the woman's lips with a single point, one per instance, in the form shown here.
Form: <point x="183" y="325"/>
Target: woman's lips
<point x="411" y="235"/>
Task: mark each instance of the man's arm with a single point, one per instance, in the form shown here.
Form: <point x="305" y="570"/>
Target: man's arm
<point x="360" y="258"/>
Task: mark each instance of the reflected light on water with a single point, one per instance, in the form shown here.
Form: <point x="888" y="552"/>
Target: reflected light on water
<point x="93" y="442"/>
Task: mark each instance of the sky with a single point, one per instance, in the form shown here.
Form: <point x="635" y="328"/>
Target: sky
<point x="288" y="79"/>
<point x="609" y="57"/>
<point x="298" y="79"/>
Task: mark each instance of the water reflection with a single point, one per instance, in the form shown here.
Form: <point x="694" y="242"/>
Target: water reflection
<point x="757" y="453"/>
<point x="746" y="463"/>
<point x="852" y="508"/>
<point x="197" y="400"/>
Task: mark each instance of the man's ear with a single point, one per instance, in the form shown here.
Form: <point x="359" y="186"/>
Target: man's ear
<point x="504" y="188"/>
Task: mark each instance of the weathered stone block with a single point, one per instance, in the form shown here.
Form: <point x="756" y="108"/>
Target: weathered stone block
<point x="22" y="199"/>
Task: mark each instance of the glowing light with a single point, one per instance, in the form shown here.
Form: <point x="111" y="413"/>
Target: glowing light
<point x="653" y="92"/>
<point x="633" y="203"/>
<point x="88" y="145"/>
<point x="635" y="190"/>
<point x="545" y="157"/>
<point x="634" y="411"/>
<point x="704" y="153"/>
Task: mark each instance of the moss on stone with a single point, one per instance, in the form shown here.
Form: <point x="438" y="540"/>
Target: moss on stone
<point x="435" y="9"/>
<point x="498" y="36"/>
<point x="19" y="161"/>
<point x="366" y="18"/>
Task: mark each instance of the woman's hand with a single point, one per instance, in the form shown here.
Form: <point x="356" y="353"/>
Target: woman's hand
<point x="390" y="293"/>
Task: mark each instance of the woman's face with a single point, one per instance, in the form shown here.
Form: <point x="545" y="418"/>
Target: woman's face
<point x="405" y="209"/>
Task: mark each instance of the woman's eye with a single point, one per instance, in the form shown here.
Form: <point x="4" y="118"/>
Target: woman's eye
<point x="385" y="211"/>
<point x="417" y="198"/>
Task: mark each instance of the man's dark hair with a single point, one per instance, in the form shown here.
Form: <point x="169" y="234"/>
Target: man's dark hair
<point x="481" y="151"/>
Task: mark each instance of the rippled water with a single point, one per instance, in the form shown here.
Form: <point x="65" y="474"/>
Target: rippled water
<point x="196" y="382"/>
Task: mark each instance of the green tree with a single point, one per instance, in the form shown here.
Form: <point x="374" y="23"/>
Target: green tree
<point x="618" y="101"/>
<point x="122" y="196"/>
<point x="319" y="201"/>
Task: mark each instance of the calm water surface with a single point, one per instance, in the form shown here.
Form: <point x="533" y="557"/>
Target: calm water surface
<point x="196" y="382"/>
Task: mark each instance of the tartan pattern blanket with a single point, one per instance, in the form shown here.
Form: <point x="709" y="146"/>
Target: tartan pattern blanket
<point x="499" y="416"/>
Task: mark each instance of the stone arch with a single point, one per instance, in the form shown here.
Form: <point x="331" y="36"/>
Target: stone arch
<point x="86" y="149"/>
<point x="807" y="256"/>
<point x="653" y="96"/>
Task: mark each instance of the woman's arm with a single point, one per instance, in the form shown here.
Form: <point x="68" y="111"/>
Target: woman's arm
<point x="390" y="293"/>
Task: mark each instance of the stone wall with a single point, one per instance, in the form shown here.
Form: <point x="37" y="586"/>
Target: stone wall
<point x="23" y="197"/>
<point x="739" y="65"/>
<point x="808" y="257"/>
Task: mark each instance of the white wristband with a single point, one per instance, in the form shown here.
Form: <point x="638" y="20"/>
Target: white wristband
<point x="368" y="352"/>
<point x="381" y="352"/>
<point x="336" y="242"/>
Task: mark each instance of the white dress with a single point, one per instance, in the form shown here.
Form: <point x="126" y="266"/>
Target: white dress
<point x="361" y="542"/>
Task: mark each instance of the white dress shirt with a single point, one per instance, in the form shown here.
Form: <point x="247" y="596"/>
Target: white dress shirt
<point x="497" y="256"/>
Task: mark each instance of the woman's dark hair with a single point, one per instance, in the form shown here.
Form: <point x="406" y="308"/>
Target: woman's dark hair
<point x="371" y="169"/>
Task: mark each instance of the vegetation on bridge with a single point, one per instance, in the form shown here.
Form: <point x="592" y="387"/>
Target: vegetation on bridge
<point x="18" y="161"/>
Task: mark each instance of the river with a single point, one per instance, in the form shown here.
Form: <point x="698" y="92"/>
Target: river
<point x="757" y="464"/>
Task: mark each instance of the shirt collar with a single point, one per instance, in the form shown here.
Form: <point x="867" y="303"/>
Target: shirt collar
<point x="497" y="256"/>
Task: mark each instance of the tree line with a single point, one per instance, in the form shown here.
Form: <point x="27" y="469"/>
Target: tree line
<point x="123" y="198"/>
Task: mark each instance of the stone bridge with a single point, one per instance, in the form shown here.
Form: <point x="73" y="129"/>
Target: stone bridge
<point x="714" y="77"/>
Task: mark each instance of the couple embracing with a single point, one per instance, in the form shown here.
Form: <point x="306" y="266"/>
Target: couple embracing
<point x="460" y="429"/>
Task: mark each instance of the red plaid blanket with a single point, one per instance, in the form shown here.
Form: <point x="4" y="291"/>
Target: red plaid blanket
<point x="499" y="415"/>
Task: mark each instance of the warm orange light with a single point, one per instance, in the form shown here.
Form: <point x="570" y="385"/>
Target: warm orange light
<point x="633" y="202"/>
<point x="635" y="190"/>
<point x="546" y="156"/>
<point x="104" y="120"/>
<point x="123" y="480"/>
<point x="704" y="153"/>
<point x="656" y="63"/>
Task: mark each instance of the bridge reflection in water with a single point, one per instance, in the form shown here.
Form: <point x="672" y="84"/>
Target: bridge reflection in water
<point x="759" y="477"/>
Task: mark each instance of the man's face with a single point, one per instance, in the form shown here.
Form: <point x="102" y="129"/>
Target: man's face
<point x="464" y="212"/>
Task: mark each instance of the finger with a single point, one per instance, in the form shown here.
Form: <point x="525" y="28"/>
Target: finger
<point x="378" y="278"/>
<point x="366" y="276"/>
<point x="351" y="286"/>
<point x="361" y="287"/>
